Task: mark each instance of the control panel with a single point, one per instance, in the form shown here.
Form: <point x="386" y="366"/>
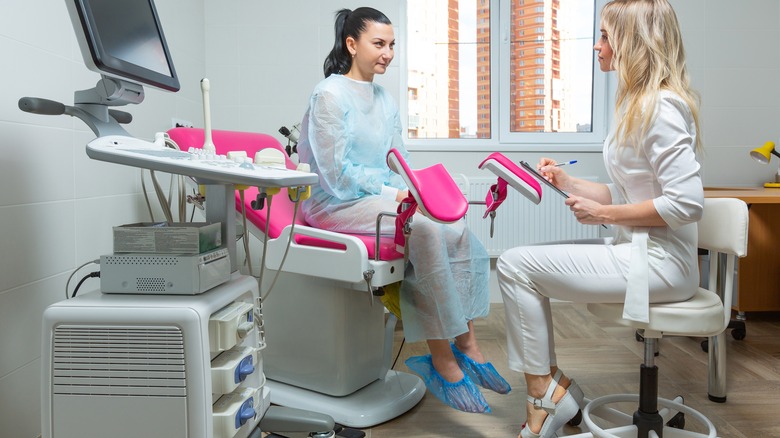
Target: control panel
<point x="235" y="371"/>
<point x="202" y="165"/>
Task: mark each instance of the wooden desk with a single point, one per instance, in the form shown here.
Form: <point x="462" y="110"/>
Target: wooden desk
<point x="759" y="271"/>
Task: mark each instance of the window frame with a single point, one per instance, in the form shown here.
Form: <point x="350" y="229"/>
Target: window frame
<point x="501" y="137"/>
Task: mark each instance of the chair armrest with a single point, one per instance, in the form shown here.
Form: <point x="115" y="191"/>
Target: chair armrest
<point x="347" y="264"/>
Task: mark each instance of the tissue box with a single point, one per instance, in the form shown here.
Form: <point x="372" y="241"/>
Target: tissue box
<point x="165" y="238"/>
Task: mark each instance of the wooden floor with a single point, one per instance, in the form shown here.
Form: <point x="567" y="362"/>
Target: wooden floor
<point x="605" y="359"/>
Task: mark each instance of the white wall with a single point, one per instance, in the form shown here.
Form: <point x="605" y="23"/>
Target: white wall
<point x="57" y="206"/>
<point x="263" y="58"/>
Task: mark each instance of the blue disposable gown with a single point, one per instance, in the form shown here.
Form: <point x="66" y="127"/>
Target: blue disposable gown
<point x="346" y="134"/>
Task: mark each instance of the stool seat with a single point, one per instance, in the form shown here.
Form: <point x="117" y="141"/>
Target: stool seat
<point x="701" y="315"/>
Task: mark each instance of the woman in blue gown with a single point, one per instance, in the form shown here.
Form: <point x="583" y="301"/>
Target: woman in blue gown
<point x="347" y="131"/>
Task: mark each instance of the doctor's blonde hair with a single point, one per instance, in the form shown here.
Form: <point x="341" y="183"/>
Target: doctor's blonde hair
<point x="648" y="56"/>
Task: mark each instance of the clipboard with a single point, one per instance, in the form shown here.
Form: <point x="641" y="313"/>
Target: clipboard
<point x="539" y="176"/>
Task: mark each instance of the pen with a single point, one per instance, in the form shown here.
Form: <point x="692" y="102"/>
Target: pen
<point x="566" y="163"/>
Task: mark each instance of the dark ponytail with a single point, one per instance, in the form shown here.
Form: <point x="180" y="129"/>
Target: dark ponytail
<point x="349" y="24"/>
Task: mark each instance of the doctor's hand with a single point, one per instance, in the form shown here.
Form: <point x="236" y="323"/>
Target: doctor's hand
<point x="548" y="169"/>
<point x="586" y="211"/>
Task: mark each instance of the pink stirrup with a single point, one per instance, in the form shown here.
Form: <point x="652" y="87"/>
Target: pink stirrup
<point x="437" y="195"/>
<point x="510" y="174"/>
<point x="431" y="189"/>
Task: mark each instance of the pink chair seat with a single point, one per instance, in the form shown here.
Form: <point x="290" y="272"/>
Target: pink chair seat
<point x="282" y="208"/>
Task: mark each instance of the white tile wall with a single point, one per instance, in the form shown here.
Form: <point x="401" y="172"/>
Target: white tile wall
<point x="263" y="58"/>
<point x="21" y="413"/>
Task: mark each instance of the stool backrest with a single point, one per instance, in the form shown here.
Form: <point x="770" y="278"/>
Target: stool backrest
<point x="723" y="230"/>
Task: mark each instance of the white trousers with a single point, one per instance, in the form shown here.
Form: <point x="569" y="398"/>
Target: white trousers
<point x="530" y="276"/>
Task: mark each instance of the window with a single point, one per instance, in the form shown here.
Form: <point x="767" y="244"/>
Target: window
<point x="532" y="83"/>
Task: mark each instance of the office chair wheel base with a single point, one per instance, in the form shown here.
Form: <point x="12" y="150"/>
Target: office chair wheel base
<point x="677" y="422"/>
<point x="738" y="334"/>
<point x="705" y="345"/>
<point x="576" y="420"/>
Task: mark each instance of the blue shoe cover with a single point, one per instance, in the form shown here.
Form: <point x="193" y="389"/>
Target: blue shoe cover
<point x="484" y="374"/>
<point x="463" y="395"/>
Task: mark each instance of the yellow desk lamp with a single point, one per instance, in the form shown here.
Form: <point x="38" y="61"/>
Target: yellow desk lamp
<point x="762" y="155"/>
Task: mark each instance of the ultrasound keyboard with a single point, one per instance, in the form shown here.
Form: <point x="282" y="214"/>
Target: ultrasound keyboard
<point x="204" y="167"/>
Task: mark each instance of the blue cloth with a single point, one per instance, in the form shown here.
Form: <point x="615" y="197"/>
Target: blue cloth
<point x="462" y="395"/>
<point x="483" y="374"/>
<point x="346" y="134"/>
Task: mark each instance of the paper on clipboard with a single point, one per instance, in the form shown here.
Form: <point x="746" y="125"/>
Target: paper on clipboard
<point x="539" y="176"/>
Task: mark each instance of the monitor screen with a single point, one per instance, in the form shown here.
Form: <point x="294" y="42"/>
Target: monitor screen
<point x="124" y="39"/>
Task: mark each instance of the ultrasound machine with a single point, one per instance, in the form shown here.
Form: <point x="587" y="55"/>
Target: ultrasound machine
<point x="142" y="361"/>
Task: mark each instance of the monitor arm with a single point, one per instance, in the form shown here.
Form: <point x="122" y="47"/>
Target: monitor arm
<point x="91" y="106"/>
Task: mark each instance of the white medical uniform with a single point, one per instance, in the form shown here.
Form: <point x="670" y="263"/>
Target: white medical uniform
<point x="346" y="134"/>
<point x="662" y="268"/>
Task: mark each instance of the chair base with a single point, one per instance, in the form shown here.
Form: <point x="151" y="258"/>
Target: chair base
<point x="648" y="420"/>
<point x="597" y="408"/>
<point x="373" y="404"/>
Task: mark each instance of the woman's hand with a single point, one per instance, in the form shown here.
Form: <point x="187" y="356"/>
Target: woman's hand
<point x="548" y="169"/>
<point x="586" y="211"/>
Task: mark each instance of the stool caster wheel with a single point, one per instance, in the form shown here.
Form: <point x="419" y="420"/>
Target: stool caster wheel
<point x="705" y="345"/>
<point x="677" y="422"/>
<point x="576" y="420"/>
<point x="738" y="329"/>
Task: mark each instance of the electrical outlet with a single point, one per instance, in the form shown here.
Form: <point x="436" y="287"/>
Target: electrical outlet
<point x="181" y="123"/>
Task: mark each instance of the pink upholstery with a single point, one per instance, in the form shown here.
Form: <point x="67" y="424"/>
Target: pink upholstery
<point x="511" y="174"/>
<point x="282" y="208"/>
<point x="433" y="189"/>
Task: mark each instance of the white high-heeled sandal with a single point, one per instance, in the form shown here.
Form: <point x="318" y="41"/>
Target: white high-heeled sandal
<point x="574" y="389"/>
<point x="558" y="414"/>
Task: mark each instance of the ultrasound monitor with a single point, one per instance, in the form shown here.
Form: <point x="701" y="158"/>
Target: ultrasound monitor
<point x="124" y="39"/>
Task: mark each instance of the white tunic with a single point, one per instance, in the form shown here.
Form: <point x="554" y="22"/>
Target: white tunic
<point x="662" y="168"/>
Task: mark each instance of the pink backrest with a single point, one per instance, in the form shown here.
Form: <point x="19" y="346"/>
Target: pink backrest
<point x="282" y="208"/>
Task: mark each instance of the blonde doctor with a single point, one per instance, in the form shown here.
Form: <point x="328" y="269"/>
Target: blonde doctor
<point x="654" y="200"/>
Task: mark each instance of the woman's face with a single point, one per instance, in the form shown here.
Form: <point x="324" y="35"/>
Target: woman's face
<point x="604" y="51"/>
<point x="372" y="52"/>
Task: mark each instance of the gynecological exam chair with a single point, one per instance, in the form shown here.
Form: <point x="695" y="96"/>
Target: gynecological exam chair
<point x="328" y="339"/>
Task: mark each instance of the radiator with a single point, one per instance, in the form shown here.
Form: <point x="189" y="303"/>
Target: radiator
<point x="521" y="222"/>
